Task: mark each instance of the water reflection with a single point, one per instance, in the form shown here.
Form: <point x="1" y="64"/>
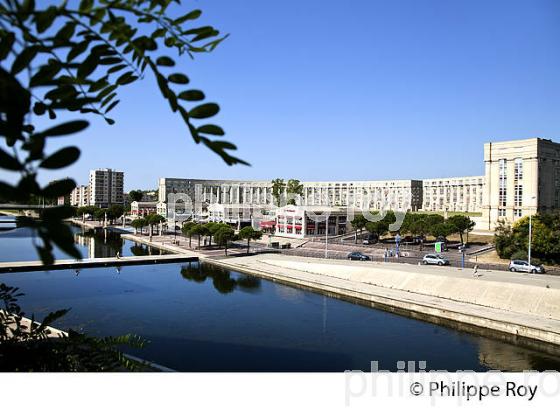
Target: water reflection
<point x="222" y="279"/>
<point x="16" y="243"/>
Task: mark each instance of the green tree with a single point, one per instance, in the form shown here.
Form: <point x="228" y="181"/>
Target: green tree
<point x="115" y="211"/>
<point x="378" y="228"/>
<point x="212" y="228"/>
<point x="278" y="187"/>
<point x="250" y="234"/>
<point x="99" y="214"/>
<point x="186" y="229"/>
<point x="136" y="195"/>
<point x="154" y="220"/>
<point x="443" y="229"/>
<point x="86" y="210"/>
<point x="294" y="188"/>
<point x="74" y="58"/>
<point x="223" y="236"/>
<point x="463" y="224"/>
<point x="358" y="223"/>
<point x="199" y="230"/>
<point x="138" y="224"/>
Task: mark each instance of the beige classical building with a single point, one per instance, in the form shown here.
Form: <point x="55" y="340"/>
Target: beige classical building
<point x="522" y="178"/>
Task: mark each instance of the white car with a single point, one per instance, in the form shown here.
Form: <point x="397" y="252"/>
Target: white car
<point x="434" y="259"/>
<point x="523" y="266"/>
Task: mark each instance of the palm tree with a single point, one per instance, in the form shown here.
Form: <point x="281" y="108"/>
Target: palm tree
<point x="278" y="186"/>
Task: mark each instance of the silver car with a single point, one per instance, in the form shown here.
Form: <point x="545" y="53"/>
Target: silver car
<point x="434" y="259"/>
<point x="523" y="266"/>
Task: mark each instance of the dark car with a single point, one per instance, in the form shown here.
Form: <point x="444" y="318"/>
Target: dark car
<point x="358" y="256"/>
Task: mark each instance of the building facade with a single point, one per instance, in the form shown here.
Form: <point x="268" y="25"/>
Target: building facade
<point x="80" y="196"/>
<point x="143" y="208"/>
<point x="308" y="221"/>
<point x="462" y="194"/>
<point x="106" y="187"/>
<point x="521" y="177"/>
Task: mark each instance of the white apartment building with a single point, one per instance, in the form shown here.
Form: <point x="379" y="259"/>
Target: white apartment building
<point x="106" y="187"/>
<point x="80" y="196"/>
<point x="462" y="194"/>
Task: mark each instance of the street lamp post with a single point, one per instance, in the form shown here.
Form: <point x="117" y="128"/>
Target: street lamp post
<point x="530" y="236"/>
<point x="327" y="238"/>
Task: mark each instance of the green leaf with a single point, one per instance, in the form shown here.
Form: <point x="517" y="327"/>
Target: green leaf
<point x="66" y="128"/>
<point x="24" y="59"/>
<point x="193" y="15"/>
<point x="61" y="158"/>
<point x="178" y="78"/>
<point x="204" y="110"/>
<point x="191" y="95"/>
<point x="116" y="68"/>
<point x="211" y="130"/>
<point x="88" y="66"/>
<point x="127" y="78"/>
<point x="106" y="91"/>
<point x="86" y="6"/>
<point x="6" y="44"/>
<point x="9" y="162"/>
<point x="108" y="99"/>
<point x="45" y="74"/>
<point x="28" y="6"/>
<point x="44" y="19"/>
<point x="77" y="50"/>
<point x="165" y="61"/>
<point x="112" y="105"/>
<point x="58" y="188"/>
<point x="66" y="32"/>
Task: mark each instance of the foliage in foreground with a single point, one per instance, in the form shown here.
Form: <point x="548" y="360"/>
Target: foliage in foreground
<point x="29" y="346"/>
<point x="74" y="58"/>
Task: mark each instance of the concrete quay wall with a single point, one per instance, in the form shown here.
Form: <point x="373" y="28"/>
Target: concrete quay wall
<point x="513" y="297"/>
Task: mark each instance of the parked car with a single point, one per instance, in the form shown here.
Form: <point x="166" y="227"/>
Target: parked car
<point x="523" y="266"/>
<point x="370" y="240"/>
<point x="434" y="259"/>
<point x="358" y="256"/>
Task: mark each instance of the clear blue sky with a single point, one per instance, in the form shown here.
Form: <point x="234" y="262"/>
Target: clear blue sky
<point x="360" y="89"/>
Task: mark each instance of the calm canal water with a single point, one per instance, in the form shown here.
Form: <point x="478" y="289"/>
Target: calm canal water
<point x="203" y="318"/>
<point x="16" y="244"/>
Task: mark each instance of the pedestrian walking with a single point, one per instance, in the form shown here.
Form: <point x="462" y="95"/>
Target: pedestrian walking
<point x="475" y="271"/>
<point x="118" y="255"/>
